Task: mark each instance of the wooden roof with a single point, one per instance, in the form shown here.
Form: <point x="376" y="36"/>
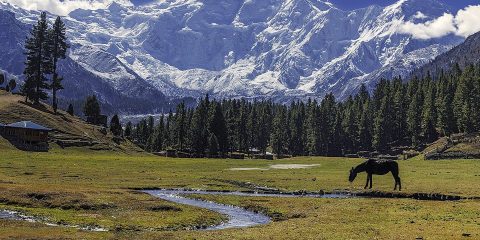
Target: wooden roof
<point x="28" y="125"/>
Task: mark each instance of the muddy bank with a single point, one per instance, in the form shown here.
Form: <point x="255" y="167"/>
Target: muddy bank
<point x="417" y="196"/>
<point x="341" y="193"/>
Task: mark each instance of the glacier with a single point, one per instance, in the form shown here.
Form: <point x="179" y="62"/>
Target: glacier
<point x="256" y="49"/>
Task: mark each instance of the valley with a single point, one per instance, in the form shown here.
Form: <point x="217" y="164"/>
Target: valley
<point x="69" y="189"/>
<point x="239" y="119"/>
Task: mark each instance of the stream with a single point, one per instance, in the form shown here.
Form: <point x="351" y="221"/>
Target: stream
<point x="238" y="217"/>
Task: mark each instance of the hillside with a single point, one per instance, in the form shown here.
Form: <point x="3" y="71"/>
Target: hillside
<point x="69" y="131"/>
<point x="457" y="146"/>
<point x="464" y="54"/>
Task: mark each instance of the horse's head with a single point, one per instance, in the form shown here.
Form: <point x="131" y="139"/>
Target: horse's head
<point x="352" y="176"/>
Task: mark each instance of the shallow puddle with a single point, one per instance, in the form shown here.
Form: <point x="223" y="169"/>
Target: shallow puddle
<point x="17" y="216"/>
<point x="278" y="166"/>
<point x="12" y="215"/>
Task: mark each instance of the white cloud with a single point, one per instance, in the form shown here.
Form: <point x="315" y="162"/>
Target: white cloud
<point x="468" y="21"/>
<point x="464" y="24"/>
<point x="439" y="27"/>
<point x="61" y="7"/>
<point x="420" y="15"/>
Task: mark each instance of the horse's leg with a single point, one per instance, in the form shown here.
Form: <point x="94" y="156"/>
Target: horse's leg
<point x="396" y="180"/>
<point x="371" y="180"/>
<point x="368" y="179"/>
<point x="399" y="184"/>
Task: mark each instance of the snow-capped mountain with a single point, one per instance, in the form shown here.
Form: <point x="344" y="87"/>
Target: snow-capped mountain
<point x="281" y="49"/>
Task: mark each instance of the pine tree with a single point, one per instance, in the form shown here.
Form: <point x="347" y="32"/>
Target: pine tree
<point x="2" y="79"/>
<point x="180" y="125"/>
<point x="218" y="127"/>
<point x="364" y="128"/>
<point x="476" y="100"/>
<point x="279" y="136"/>
<point x="199" y="131"/>
<point x="167" y="135"/>
<point x="381" y="125"/>
<point x="213" y="148"/>
<point x="350" y="126"/>
<point x="158" y="144"/>
<point x="116" y="126"/>
<point x="429" y="132"/>
<point x="399" y="115"/>
<point x="231" y="121"/>
<point x="241" y="128"/>
<point x="296" y="129"/>
<point x="252" y="126"/>
<point x="414" y="120"/>
<point x="28" y="89"/>
<point x="312" y="128"/>
<point x="38" y="64"/>
<point x="146" y="137"/>
<point x="363" y="94"/>
<point x="264" y="126"/>
<point x="148" y="133"/>
<point x="70" y="110"/>
<point x="327" y="124"/>
<point x="444" y="104"/>
<point x="91" y="108"/>
<point x="384" y="121"/>
<point x="12" y="84"/>
<point x="337" y="146"/>
<point x="58" y="47"/>
<point x="128" y="130"/>
<point x="188" y="124"/>
<point x="464" y="102"/>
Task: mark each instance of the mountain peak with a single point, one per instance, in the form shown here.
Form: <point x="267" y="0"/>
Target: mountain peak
<point x="423" y="5"/>
<point x="411" y="9"/>
<point x="236" y="48"/>
<point x="117" y="6"/>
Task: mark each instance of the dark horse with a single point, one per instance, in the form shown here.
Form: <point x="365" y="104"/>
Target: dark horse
<point x="377" y="167"/>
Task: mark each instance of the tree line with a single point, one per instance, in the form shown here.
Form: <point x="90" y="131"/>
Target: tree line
<point x="44" y="47"/>
<point x="396" y="113"/>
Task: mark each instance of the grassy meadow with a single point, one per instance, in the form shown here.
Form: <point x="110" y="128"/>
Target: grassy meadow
<point x="88" y="188"/>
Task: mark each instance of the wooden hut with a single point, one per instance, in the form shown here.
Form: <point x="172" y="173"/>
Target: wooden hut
<point x="27" y="135"/>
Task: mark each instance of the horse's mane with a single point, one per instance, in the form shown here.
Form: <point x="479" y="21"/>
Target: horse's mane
<point x="361" y="167"/>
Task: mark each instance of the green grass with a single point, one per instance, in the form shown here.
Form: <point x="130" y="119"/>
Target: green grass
<point x="78" y="186"/>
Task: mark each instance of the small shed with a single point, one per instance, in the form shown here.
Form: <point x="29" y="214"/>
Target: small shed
<point x="27" y="135"/>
